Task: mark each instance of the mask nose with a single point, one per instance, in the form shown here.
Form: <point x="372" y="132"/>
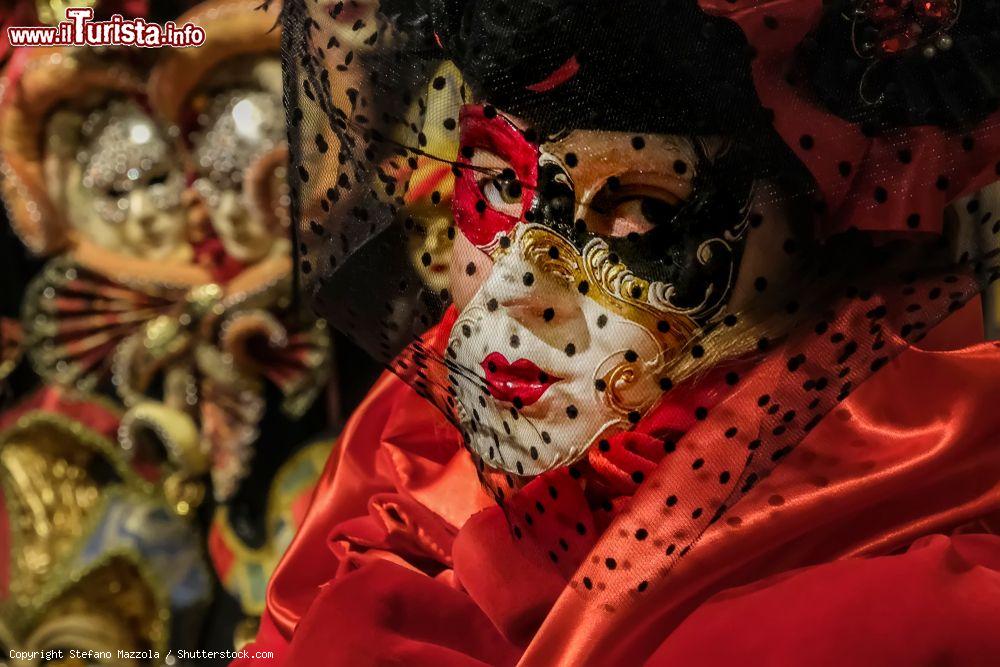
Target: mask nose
<point x="141" y="218"/>
<point x="437" y="237"/>
<point x="537" y="299"/>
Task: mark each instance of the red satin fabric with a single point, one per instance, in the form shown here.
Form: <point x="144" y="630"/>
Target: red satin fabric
<point x="933" y="605"/>
<point x="404" y="559"/>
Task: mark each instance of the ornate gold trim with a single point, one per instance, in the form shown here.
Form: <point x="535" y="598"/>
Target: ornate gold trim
<point x="611" y="284"/>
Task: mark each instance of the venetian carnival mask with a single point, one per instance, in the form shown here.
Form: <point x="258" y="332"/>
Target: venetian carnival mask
<point x="430" y="249"/>
<point x="131" y="179"/>
<point x="597" y="235"/>
<point x="609" y="251"/>
<point x="236" y="128"/>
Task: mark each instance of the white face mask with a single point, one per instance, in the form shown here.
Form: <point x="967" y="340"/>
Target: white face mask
<point x="131" y="186"/>
<point x="563" y="371"/>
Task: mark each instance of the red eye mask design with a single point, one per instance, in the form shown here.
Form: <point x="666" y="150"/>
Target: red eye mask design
<point x="483" y="129"/>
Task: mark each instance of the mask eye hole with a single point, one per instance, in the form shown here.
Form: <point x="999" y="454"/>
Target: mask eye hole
<point x="502" y="192"/>
<point x="497" y="174"/>
<point x="623" y="209"/>
<point x="498" y="184"/>
<point x="116" y="192"/>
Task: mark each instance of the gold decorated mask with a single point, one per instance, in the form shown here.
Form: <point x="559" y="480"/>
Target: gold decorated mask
<point x="609" y="251"/>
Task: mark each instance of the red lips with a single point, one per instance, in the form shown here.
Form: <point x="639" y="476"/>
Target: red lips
<point x="521" y="383"/>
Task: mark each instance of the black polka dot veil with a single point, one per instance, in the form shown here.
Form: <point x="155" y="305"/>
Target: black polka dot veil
<point x="628" y="227"/>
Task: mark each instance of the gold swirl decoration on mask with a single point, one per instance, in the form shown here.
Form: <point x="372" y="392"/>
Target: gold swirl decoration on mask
<point x="619" y="380"/>
<point x="611" y="284"/>
<point x="615" y="278"/>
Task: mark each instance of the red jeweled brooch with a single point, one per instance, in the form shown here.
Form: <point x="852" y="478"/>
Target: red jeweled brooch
<point x="886" y="28"/>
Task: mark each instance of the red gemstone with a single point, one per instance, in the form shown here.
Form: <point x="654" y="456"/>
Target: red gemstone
<point x="900" y="37"/>
<point x="887" y="11"/>
<point x="940" y="11"/>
